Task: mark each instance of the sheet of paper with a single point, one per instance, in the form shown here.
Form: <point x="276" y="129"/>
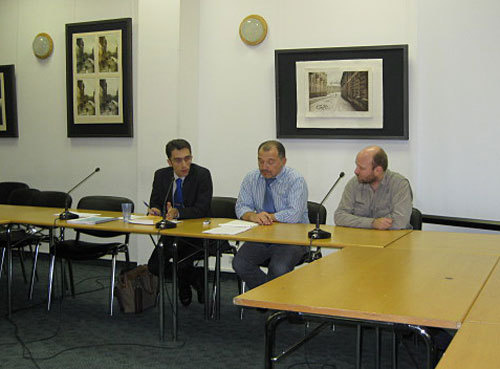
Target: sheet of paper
<point x="227" y="230"/>
<point x="239" y="223"/>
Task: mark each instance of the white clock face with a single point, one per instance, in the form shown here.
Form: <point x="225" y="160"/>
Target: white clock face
<point x="253" y="29"/>
<point x="42" y="45"/>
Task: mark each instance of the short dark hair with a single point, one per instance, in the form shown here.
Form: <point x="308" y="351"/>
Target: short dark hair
<point x="177" y="144"/>
<point x="268" y="145"/>
<point x="380" y="159"/>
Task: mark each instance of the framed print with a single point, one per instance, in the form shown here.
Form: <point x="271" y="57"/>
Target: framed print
<point x="99" y="78"/>
<point x="8" y="102"/>
<point x="344" y="92"/>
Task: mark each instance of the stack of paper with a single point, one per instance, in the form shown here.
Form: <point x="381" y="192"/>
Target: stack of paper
<point x="91" y="220"/>
<point x="231" y="228"/>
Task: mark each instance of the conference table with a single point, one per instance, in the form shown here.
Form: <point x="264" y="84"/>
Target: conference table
<point x="280" y="233"/>
<point x="477" y="340"/>
<point x="416" y="281"/>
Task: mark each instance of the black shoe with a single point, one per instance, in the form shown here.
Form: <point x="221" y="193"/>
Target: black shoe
<point x="198" y="284"/>
<point x="185" y="294"/>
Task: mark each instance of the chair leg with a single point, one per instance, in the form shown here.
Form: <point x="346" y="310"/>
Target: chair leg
<point x="243" y="289"/>
<point x="33" y="271"/>
<point x="63" y="279"/>
<point x="71" y="279"/>
<point x="21" y="260"/>
<point x="377" y="347"/>
<point x="51" y="279"/>
<point x="112" y="289"/>
<point x="359" y="347"/>
<point x="127" y="258"/>
<point x="1" y="263"/>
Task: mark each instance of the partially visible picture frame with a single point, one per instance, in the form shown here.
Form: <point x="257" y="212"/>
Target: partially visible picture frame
<point x="99" y="78"/>
<point x="8" y="101"/>
<point x="342" y="92"/>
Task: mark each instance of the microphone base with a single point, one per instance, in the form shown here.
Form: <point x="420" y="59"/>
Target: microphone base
<point x="319" y="234"/>
<point x="66" y="215"/>
<point x="165" y="224"/>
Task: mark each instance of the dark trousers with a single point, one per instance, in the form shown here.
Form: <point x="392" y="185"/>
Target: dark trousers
<point x="188" y="250"/>
<point x="279" y="259"/>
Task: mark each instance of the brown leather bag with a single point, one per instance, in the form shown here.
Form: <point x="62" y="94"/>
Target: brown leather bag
<point x="136" y="289"/>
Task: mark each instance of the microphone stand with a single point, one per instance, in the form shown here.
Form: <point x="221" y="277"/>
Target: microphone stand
<point x="66" y="214"/>
<point x="164" y="223"/>
<point x="317" y="233"/>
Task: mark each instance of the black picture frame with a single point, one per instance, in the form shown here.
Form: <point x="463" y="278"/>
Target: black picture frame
<point x="99" y="54"/>
<point x="8" y="101"/>
<point x="394" y="85"/>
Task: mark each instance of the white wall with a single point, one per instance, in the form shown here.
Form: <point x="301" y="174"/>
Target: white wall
<point x="194" y="78"/>
<point x="237" y="84"/>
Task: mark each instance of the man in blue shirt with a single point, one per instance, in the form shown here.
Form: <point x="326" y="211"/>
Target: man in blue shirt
<point x="273" y="193"/>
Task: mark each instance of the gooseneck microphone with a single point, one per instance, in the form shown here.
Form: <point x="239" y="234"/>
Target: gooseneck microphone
<point x="318" y="233"/>
<point x="164" y="223"/>
<point x="65" y="215"/>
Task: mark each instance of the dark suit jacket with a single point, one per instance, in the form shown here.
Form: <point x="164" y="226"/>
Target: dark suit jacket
<point x="196" y="191"/>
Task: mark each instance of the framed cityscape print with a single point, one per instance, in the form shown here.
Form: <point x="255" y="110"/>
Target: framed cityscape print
<point x="8" y="104"/>
<point x="344" y="92"/>
<point x="99" y="78"/>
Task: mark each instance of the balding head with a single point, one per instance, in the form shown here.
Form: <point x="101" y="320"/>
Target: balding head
<point x="371" y="164"/>
<point x="377" y="155"/>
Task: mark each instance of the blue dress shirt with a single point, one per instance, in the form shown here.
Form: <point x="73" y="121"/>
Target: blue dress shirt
<point x="289" y="192"/>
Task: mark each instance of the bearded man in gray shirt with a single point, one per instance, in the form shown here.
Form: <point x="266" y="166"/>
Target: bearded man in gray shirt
<point x="376" y="197"/>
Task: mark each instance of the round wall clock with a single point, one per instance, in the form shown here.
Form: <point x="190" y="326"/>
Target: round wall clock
<point x="42" y="45"/>
<point x="253" y="29"/>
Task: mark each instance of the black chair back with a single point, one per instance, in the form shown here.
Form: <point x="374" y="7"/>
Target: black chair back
<point x="416" y="219"/>
<point x="109" y="203"/>
<point x="53" y="199"/>
<point x="223" y="207"/>
<point x="23" y="196"/>
<point x="312" y="210"/>
<point x="6" y="189"/>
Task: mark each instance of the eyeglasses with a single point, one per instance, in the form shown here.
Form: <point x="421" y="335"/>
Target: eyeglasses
<point x="186" y="159"/>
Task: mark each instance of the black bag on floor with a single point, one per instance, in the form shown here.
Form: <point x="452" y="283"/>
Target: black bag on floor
<point x="136" y="289"/>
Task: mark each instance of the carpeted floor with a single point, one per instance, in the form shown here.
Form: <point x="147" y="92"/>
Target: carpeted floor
<point x="79" y="333"/>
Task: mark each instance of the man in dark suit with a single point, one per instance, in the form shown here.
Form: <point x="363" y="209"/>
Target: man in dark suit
<point x="190" y="195"/>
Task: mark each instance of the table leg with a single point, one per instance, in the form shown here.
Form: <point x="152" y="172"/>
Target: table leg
<point x="359" y="339"/>
<point x="205" y="278"/>
<point x="429" y="344"/>
<point x="175" y="305"/>
<point x="272" y="321"/>
<point x="161" y="281"/>
<point x="9" y="273"/>
<point x="217" y="280"/>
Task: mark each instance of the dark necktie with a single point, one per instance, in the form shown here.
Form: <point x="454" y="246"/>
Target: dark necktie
<point x="178" y="201"/>
<point x="268" y="197"/>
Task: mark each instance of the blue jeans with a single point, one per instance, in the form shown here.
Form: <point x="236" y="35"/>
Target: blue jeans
<point x="279" y="259"/>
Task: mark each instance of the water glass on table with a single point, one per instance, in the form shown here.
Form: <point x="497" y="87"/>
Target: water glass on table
<point x="126" y="211"/>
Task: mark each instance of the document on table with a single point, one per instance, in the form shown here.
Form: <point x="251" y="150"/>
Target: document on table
<point x="91" y="220"/>
<point x="231" y="228"/>
<point x="146" y="220"/>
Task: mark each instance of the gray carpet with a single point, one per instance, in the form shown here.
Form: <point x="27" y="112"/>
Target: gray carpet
<point x="78" y="333"/>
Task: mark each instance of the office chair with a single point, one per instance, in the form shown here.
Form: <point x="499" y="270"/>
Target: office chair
<point x="77" y="249"/>
<point x="312" y="208"/>
<point x="50" y="199"/>
<point x="416" y="219"/>
<point x="20" y="236"/>
<point x="223" y="207"/>
<point x="7" y="187"/>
